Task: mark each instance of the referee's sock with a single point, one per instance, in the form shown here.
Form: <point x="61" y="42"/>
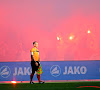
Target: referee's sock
<point x="38" y="76"/>
<point x="31" y="77"/>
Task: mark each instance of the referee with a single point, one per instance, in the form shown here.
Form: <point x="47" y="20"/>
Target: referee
<point x="35" y="63"/>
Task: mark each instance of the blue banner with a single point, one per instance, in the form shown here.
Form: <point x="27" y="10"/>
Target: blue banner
<point x="52" y="70"/>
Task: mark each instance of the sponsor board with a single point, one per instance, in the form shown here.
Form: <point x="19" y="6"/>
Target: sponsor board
<point x="57" y="70"/>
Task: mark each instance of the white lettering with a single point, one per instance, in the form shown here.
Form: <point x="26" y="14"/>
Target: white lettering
<point x="20" y="71"/>
<point x="65" y="70"/>
<point x="83" y="70"/>
<point x="76" y="70"/>
<point x="26" y="71"/>
<point x="15" y="71"/>
<point x="70" y="70"/>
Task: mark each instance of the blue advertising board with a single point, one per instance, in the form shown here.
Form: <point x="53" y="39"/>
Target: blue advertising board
<point x="52" y="70"/>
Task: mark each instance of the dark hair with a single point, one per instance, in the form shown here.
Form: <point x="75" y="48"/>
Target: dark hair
<point x="34" y="42"/>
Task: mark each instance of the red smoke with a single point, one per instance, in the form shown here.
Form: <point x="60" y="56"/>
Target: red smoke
<point x="21" y="23"/>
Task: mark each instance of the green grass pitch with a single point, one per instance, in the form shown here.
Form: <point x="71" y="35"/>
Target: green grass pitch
<point x="50" y="86"/>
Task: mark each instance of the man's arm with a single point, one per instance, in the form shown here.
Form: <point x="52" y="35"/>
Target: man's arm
<point x="33" y="58"/>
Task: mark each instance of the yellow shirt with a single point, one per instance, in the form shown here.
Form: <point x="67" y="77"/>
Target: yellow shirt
<point x="35" y="53"/>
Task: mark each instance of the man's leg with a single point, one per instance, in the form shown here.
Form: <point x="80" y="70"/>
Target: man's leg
<point x="31" y="77"/>
<point x="39" y="78"/>
<point x="33" y="71"/>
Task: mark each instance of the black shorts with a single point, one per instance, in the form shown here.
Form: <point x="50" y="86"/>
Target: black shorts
<point x="34" y="67"/>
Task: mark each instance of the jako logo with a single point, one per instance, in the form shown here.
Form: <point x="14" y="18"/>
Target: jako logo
<point x="5" y="71"/>
<point x="55" y="70"/>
